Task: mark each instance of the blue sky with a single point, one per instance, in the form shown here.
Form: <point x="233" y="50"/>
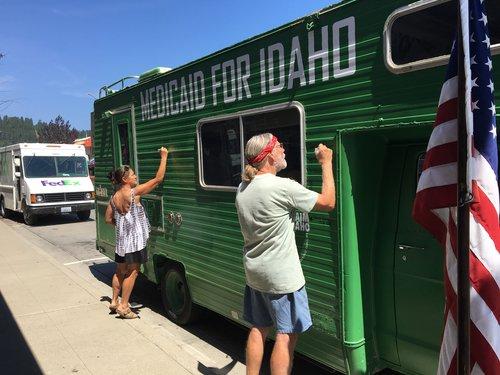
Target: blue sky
<point x="59" y="52"/>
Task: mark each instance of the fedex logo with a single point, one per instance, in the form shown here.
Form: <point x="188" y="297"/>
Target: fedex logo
<point x="60" y="183"/>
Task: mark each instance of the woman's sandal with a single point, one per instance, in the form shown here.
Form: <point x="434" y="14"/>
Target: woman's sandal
<point x="126" y="314"/>
<point x="113" y="307"/>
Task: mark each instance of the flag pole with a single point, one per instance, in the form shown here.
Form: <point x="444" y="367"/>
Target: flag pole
<point x="463" y="284"/>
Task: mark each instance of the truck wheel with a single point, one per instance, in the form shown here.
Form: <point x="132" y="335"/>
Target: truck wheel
<point x="83" y="215"/>
<point x="29" y="217"/>
<point x="176" y="297"/>
<point x="3" y="211"/>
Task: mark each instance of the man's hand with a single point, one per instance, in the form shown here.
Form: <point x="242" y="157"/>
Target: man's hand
<point x="323" y="154"/>
<point x="163" y="152"/>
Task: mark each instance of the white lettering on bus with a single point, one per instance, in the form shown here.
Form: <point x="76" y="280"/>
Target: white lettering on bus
<point x="215" y="84"/>
<point x="172" y="86"/>
<point x="315" y="55"/>
<point x="296" y="60"/>
<point x="273" y="86"/>
<point x="350" y="23"/>
<point x="199" y="89"/>
<point x="229" y="93"/>
<point x="145" y="105"/>
<point x="184" y="97"/>
<point x="152" y="102"/>
<point x="187" y="93"/>
<point x="242" y="78"/>
<point x="262" y="55"/>
<point x="160" y="101"/>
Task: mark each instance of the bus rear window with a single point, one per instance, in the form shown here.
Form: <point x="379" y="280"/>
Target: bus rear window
<point x="426" y="33"/>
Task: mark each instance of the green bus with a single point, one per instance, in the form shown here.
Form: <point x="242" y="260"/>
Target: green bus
<point x="363" y="77"/>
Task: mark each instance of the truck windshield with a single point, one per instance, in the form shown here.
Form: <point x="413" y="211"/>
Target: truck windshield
<point x="55" y="166"/>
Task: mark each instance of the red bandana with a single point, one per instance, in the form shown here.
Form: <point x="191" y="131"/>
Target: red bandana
<point x="265" y="151"/>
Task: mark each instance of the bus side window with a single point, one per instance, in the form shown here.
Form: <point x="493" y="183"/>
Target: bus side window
<point x="220" y="151"/>
<point x="285" y="125"/>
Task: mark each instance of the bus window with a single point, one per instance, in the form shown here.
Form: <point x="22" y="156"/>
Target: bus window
<point x="221" y="153"/>
<point x="285" y="125"/>
<point x="421" y="36"/>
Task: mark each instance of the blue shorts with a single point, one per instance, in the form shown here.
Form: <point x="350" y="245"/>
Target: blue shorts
<point x="288" y="313"/>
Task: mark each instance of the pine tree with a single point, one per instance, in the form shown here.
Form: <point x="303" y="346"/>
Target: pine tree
<point x="56" y="131"/>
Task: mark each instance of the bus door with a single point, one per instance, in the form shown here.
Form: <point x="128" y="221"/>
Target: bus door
<point x="418" y="278"/>
<point x="118" y="149"/>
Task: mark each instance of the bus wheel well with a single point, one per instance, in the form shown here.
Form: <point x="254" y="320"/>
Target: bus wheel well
<point x="162" y="263"/>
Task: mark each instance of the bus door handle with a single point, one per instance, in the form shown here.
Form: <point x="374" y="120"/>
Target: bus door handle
<point x="408" y="247"/>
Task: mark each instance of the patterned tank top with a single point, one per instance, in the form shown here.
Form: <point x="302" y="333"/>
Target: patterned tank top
<point x="132" y="228"/>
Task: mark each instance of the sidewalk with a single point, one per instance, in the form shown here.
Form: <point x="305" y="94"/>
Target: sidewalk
<point x="53" y="322"/>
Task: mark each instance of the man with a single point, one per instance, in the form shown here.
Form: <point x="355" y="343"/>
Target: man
<point x="275" y="294"/>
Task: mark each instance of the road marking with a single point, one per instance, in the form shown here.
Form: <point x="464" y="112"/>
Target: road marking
<point x="85" y="260"/>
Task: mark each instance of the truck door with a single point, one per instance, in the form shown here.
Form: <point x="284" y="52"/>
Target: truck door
<point x="418" y="279"/>
<point x="17" y="176"/>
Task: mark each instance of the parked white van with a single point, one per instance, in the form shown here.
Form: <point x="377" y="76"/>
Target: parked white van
<point x="38" y="179"/>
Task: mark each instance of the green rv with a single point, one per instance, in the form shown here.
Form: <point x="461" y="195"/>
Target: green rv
<point x="363" y="77"/>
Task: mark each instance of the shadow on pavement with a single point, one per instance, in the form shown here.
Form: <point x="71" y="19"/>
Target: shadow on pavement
<point x="16" y="356"/>
<point x="221" y="333"/>
<point x="46" y="220"/>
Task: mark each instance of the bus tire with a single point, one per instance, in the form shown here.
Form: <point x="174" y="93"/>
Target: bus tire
<point x="176" y="297"/>
<point x="83" y="215"/>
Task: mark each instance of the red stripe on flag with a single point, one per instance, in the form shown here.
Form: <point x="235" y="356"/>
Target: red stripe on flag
<point x="482" y="352"/>
<point x="484" y="283"/>
<point x="447" y="111"/>
<point x="485" y="214"/>
<point x="430" y="222"/>
<point x="452" y="370"/>
<point x="442" y="154"/>
<point x="436" y="197"/>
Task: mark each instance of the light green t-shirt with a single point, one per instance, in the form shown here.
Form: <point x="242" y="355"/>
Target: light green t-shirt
<point x="266" y="209"/>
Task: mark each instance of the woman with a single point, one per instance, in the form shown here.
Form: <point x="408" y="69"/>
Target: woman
<point x="125" y="212"/>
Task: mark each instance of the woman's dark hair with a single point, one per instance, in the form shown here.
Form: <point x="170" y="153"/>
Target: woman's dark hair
<point x="116" y="176"/>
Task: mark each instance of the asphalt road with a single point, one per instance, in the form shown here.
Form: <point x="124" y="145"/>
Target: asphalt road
<point x="72" y="239"/>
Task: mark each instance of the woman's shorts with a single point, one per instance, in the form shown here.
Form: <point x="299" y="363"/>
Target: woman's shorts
<point x="140" y="256"/>
<point x="288" y="313"/>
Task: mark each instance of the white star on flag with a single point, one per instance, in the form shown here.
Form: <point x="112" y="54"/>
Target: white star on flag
<point x="491" y="86"/>
<point x="484" y="19"/>
<point x="474" y="105"/>
<point x="493" y="131"/>
<point x="490" y="65"/>
<point x="473" y="60"/>
<point x="493" y="109"/>
<point x="487" y="41"/>
<point x="474" y="84"/>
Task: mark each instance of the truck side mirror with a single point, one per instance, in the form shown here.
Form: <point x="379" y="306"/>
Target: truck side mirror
<point x="17" y="174"/>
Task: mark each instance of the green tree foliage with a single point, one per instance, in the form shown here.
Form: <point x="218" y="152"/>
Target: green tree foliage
<point x="56" y="131"/>
<point x="16" y="130"/>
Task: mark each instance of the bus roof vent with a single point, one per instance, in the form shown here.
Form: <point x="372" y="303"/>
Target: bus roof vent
<point x="153" y="73"/>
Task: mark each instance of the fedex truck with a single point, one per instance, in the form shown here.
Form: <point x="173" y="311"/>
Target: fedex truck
<point x="38" y="179"/>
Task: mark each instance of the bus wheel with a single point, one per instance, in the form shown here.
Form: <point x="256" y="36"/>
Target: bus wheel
<point x="176" y="297"/>
<point x="83" y="215"/>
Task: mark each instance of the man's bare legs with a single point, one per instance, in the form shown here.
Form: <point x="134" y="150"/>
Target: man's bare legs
<point x="255" y="349"/>
<point x="132" y="271"/>
<point x="282" y="356"/>
<point x="117" y="282"/>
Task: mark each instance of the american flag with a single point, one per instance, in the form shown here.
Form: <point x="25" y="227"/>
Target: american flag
<point x="436" y="199"/>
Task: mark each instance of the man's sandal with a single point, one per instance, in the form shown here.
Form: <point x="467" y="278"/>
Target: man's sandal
<point x="126" y="314"/>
